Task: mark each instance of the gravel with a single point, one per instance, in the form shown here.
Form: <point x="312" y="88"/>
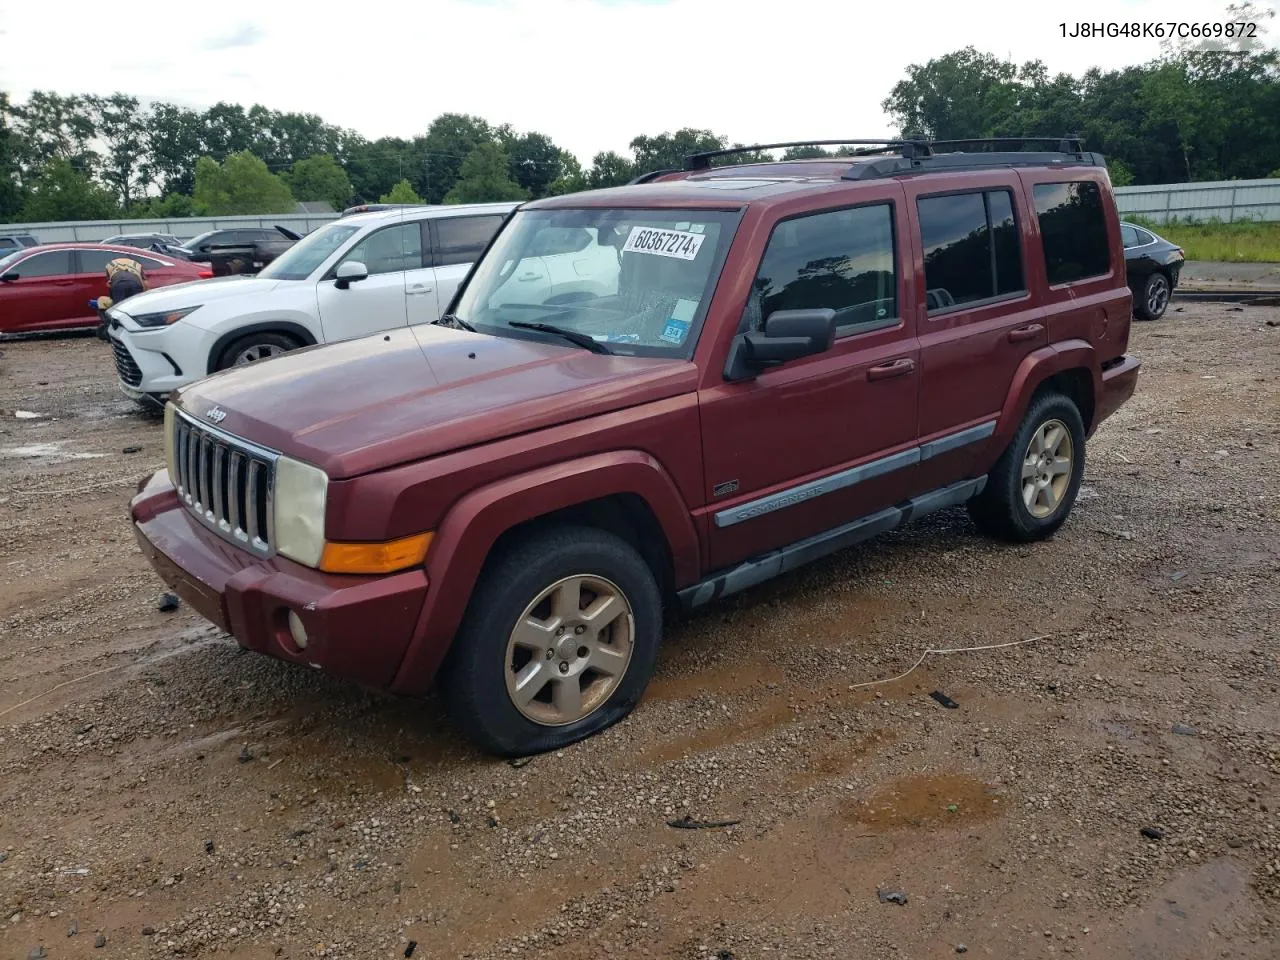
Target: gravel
<point x="357" y="824"/>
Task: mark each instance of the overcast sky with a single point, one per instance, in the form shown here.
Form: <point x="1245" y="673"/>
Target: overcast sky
<point x="590" y="73"/>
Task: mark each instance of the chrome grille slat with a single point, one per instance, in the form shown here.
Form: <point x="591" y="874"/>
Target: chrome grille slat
<point x="225" y="482"/>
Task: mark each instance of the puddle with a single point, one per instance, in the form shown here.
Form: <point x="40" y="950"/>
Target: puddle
<point x="49" y="452"/>
<point x="926" y="801"/>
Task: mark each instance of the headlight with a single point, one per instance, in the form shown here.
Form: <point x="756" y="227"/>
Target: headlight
<point x="164" y="318"/>
<point x="168" y="443"/>
<point x="299" y="499"/>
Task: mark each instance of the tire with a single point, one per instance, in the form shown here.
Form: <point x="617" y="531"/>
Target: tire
<point x="267" y="343"/>
<point x="1002" y="510"/>
<point x="474" y="682"/>
<point x="1154" y="299"/>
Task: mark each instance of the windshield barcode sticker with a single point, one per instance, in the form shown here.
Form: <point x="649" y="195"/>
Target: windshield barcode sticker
<point x="664" y="243"/>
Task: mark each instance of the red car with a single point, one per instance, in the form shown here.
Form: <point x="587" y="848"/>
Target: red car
<point x="49" y="287"/>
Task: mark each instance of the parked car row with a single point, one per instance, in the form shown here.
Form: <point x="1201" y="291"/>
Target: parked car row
<point x="635" y="399"/>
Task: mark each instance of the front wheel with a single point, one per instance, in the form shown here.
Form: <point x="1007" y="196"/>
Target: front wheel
<point x="558" y="643"/>
<point x="1154" y="299"/>
<point x="1032" y="487"/>
<point x="255" y="347"/>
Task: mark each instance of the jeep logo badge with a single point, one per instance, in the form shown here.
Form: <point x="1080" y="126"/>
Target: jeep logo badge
<point x="216" y="415"/>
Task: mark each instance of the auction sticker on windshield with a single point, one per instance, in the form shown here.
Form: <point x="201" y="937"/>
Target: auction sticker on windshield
<point x="664" y="243"/>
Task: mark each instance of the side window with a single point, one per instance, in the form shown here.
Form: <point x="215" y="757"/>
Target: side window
<point x="841" y="259"/>
<point x="389" y="250"/>
<point x="1128" y="236"/>
<point x="52" y="264"/>
<point x="95" y="261"/>
<point x="1073" y="230"/>
<point x="148" y="263"/>
<point x="461" y="239"/>
<point x="972" y="250"/>
<point x="1144" y="238"/>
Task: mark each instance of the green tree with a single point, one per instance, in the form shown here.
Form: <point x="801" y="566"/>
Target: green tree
<point x="175" y="140"/>
<point x="961" y="95"/>
<point x="375" y="167"/>
<point x="485" y="176"/>
<point x="241" y="184"/>
<point x="320" y="178"/>
<point x="63" y="193"/>
<point x="536" y="162"/>
<point x="402" y="192"/>
<point x="53" y="127"/>
<point x="170" y="207"/>
<point x="609" y="169"/>
<point x="10" y="188"/>
<point x="1118" y="170"/>
<point x="122" y="128"/>
<point x="437" y="156"/>
<point x="667" y="151"/>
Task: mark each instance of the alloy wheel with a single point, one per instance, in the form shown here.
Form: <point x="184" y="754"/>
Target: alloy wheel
<point x="569" y="650"/>
<point x="1046" y="469"/>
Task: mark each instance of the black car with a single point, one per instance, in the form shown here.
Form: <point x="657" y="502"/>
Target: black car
<point x="1152" y="264"/>
<point x="250" y="247"/>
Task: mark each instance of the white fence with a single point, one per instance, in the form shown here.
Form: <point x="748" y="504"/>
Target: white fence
<point x="1226" y="200"/>
<point x="184" y="227"/>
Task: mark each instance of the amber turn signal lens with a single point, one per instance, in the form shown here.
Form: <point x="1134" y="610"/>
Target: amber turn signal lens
<point x="375" y="557"/>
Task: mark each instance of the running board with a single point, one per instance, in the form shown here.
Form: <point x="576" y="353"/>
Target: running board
<point x="788" y="558"/>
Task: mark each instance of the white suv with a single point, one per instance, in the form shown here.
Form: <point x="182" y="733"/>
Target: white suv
<point x="350" y="278"/>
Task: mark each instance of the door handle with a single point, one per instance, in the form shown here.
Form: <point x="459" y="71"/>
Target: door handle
<point x="419" y="291"/>
<point x="526" y="277"/>
<point x="898" y="368"/>
<point x="1029" y="332"/>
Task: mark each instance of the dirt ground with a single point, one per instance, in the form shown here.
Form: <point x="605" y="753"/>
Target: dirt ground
<point x="168" y="795"/>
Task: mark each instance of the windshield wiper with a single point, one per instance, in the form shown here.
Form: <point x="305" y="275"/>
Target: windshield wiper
<point x="453" y="320"/>
<point x="573" y="336"/>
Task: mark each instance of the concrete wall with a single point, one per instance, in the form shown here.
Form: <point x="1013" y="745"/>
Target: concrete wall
<point x="1226" y="200"/>
<point x="184" y="227"/>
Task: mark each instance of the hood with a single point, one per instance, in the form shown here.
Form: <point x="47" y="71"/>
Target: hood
<point x="416" y="392"/>
<point x="198" y="292"/>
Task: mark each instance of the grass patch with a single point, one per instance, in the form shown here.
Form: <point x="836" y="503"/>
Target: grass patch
<point x="1248" y="241"/>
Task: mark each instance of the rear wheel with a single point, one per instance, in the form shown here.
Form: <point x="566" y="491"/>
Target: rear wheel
<point x="1154" y="299"/>
<point x="254" y="347"/>
<point x="558" y="643"/>
<point x="1033" y="486"/>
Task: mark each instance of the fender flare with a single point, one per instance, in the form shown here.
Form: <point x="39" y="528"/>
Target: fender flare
<point x="294" y="329"/>
<point x="464" y="539"/>
<point x="1035" y="368"/>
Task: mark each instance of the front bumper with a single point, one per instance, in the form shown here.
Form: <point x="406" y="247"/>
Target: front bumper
<point x="1118" y="384"/>
<point x="358" y="628"/>
<point x="159" y="361"/>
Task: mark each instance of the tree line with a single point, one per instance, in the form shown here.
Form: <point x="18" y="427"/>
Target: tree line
<point x="1191" y="114"/>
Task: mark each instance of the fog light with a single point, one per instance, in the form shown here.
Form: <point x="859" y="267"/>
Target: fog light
<point x="297" y="631"/>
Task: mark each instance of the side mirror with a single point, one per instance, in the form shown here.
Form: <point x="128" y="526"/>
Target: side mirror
<point x="353" y="271"/>
<point x="8" y="277"/>
<point x="787" y="335"/>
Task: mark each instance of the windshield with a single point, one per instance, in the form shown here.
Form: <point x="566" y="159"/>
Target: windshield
<point x="301" y="260"/>
<point x="196" y="241"/>
<point x="637" y="281"/>
<point x="11" y="259"/>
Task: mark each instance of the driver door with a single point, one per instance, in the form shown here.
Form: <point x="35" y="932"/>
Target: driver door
<point x="377" y="302"/>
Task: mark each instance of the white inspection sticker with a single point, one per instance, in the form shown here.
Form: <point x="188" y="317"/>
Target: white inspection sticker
<point x="664" y="243"/>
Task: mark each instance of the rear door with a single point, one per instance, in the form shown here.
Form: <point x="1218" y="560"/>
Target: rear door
<point x="44" y="295"/>
<point x="978" y="318"/>
<point x="378" y="301"/>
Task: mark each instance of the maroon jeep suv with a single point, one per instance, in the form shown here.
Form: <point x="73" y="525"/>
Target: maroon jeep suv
<point x="647" y="397"/>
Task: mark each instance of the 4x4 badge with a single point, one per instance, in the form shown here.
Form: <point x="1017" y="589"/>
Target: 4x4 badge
<point x="215" y="414"/>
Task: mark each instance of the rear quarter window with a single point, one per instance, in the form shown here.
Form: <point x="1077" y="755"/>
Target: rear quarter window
<point x="1073" y="230"/>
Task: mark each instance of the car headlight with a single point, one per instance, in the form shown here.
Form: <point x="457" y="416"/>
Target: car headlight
<point x="299" y="501"/>
<point x="164" y="318"/>
<point x="168" y="442"/>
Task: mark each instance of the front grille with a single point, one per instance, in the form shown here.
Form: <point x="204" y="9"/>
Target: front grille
<point x="226" y="482"/>
<point x="126" y="367"/>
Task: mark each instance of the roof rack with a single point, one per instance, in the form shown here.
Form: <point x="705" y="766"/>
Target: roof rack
<point x="917" y="154"/>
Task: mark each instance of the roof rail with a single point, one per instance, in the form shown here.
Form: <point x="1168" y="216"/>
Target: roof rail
<point x="702" y="161"/>
<point x="915" y="154"/>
